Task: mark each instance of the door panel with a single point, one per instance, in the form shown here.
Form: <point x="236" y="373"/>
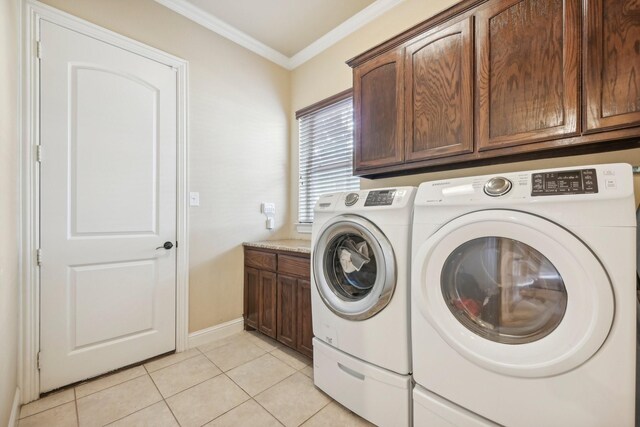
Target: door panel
<point x="108" y="200"/>
<point x="267" y="302"/>
<point x="251" y="296"/>
<point x="113" y="148"/>
<point x="378" y="112"/>
<point x="304" y="322"/>
<point x="527" y="71"/>
<point x="287" y="309"/>
<point x="439" y="93"/>
<point x="612" y="64"/>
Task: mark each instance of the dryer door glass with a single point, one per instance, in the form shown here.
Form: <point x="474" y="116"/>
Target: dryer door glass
<point x="503" y="290"/>
<point x="354" y="268"/>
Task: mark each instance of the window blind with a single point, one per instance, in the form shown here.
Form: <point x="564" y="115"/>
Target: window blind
<point x="326" y="155"/>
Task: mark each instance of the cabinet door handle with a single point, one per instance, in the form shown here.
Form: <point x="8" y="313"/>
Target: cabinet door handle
<point x="351" y="372"/>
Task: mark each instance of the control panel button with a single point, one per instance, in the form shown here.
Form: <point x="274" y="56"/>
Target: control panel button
<point x="497" y="186"/>
<point x="351" y="199"/>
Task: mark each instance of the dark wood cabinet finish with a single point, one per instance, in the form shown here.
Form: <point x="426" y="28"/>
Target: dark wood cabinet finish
<point x="527" y="71"/>
<point x="305" y="326"/>
<point x="378" y="100"/>
<point x="251" y="296"/>
<point x="268" y="289"/>
<point x="287" y="310"/>
<point x="277" y="298"/>
<point x="612" y="64"/>
<point x="439" y="93"/>
<point x="549" y="78"/>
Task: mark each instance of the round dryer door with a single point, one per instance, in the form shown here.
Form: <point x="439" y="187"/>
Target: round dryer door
<point x="354" y="267"/>
<point x="514" y="293"/>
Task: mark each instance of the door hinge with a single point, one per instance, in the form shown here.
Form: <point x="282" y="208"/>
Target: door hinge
<point x="38" y="50"/>
<point x="38" y="360"/>
<point x="38" y="256"/>
<point x="39" y="153"/>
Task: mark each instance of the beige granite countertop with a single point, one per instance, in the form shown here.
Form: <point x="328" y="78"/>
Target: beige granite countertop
<point x="291" y="245"/>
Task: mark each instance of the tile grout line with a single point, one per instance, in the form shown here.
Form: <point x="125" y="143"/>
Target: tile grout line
<point x="75" y="403"/>
<point x="318" y="411"/>
<point x="269" y="412"/>
<point x="230" y="409"/>
<point x="165" y="400"/>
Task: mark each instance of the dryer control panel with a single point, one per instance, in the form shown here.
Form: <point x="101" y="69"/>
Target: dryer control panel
<point x="592" y="182"/>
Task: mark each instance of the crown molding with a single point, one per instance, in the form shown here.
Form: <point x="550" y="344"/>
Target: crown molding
<point x="230" y="32"/>
<point x="351" y="25"/>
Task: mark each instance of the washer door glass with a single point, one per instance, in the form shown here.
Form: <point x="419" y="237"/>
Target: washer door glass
<point x="503" y="290"/>
<point x="350" y="266"/>
<point x="354" y="268"/>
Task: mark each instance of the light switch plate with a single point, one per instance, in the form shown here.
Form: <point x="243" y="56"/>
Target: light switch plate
<point x="194" y="198"/>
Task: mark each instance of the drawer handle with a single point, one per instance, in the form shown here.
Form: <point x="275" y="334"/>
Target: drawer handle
<point x="351" y="372"/>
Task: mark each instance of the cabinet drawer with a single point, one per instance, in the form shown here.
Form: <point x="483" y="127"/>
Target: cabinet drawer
<point x="261" y="260"/>
<point x="293" y="265"/>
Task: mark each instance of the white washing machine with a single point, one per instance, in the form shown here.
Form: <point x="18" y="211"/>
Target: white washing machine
<point x="523" y="299"/>
<point x="360" y="301"/>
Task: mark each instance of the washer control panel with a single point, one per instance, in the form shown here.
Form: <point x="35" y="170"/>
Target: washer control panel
<point x="497" y="186"/>
<point x="380" y="198"/>
<point x="580" y="181"/>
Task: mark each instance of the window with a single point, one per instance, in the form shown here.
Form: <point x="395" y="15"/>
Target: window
<point x="326" y="151"/>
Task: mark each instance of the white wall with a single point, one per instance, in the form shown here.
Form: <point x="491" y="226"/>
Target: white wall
<point x="8" y="206"/>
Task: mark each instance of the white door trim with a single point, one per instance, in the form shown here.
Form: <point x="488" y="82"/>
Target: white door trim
<point x="32" y="12"/>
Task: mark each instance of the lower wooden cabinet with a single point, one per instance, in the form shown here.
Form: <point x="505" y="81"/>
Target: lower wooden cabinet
<point x="277" y="297"/>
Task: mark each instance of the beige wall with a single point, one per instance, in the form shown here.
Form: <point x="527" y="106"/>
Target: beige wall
<point x="239" y="105"/>
<point x="327" y="74"/>
<point x="9" y="223"/>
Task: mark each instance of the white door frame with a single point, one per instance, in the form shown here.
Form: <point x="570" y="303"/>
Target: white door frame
<point x="32" y="12"/>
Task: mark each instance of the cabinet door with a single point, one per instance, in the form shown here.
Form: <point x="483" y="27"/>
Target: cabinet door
<point x="287" y="310"/>
<point x="378" y="113"/>
<point x="251" y="297"/>
<point x="267" y="319"/>
<point x="612" y="64"/>
<point x="305" y="325"/>
<point x="527" y="71"/>
<point x="439" y="93"/>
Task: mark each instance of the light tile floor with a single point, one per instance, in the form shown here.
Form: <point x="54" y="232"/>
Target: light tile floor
<point x="243" y="380"/>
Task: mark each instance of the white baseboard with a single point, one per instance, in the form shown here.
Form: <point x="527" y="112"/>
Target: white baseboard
<point x="15" y="410"/>
<point x="204" y="336"/>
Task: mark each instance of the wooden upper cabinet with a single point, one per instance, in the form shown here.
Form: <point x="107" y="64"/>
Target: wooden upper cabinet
<point x="378" y="101"/>
<point x="527" y="71"/>
<point x="439" y="93"/>
<point x="612" y="64"/>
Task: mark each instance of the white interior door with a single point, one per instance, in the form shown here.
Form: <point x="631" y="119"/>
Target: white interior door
<point x="108" y="200"/>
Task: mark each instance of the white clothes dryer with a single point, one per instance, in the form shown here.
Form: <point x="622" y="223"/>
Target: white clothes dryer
<point x="360" y="301"/>
<point x="523" y="297"/>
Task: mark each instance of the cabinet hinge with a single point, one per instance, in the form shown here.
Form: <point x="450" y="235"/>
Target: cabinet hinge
<point x="39" y="257"/>
<point x="38" y="360"/>
<point x="38" y="50"/>
<point x="39" y="153"/>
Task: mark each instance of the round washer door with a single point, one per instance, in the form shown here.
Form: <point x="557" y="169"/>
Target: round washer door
<point x="513" y="293"/>
<point x="354" y="267"/>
